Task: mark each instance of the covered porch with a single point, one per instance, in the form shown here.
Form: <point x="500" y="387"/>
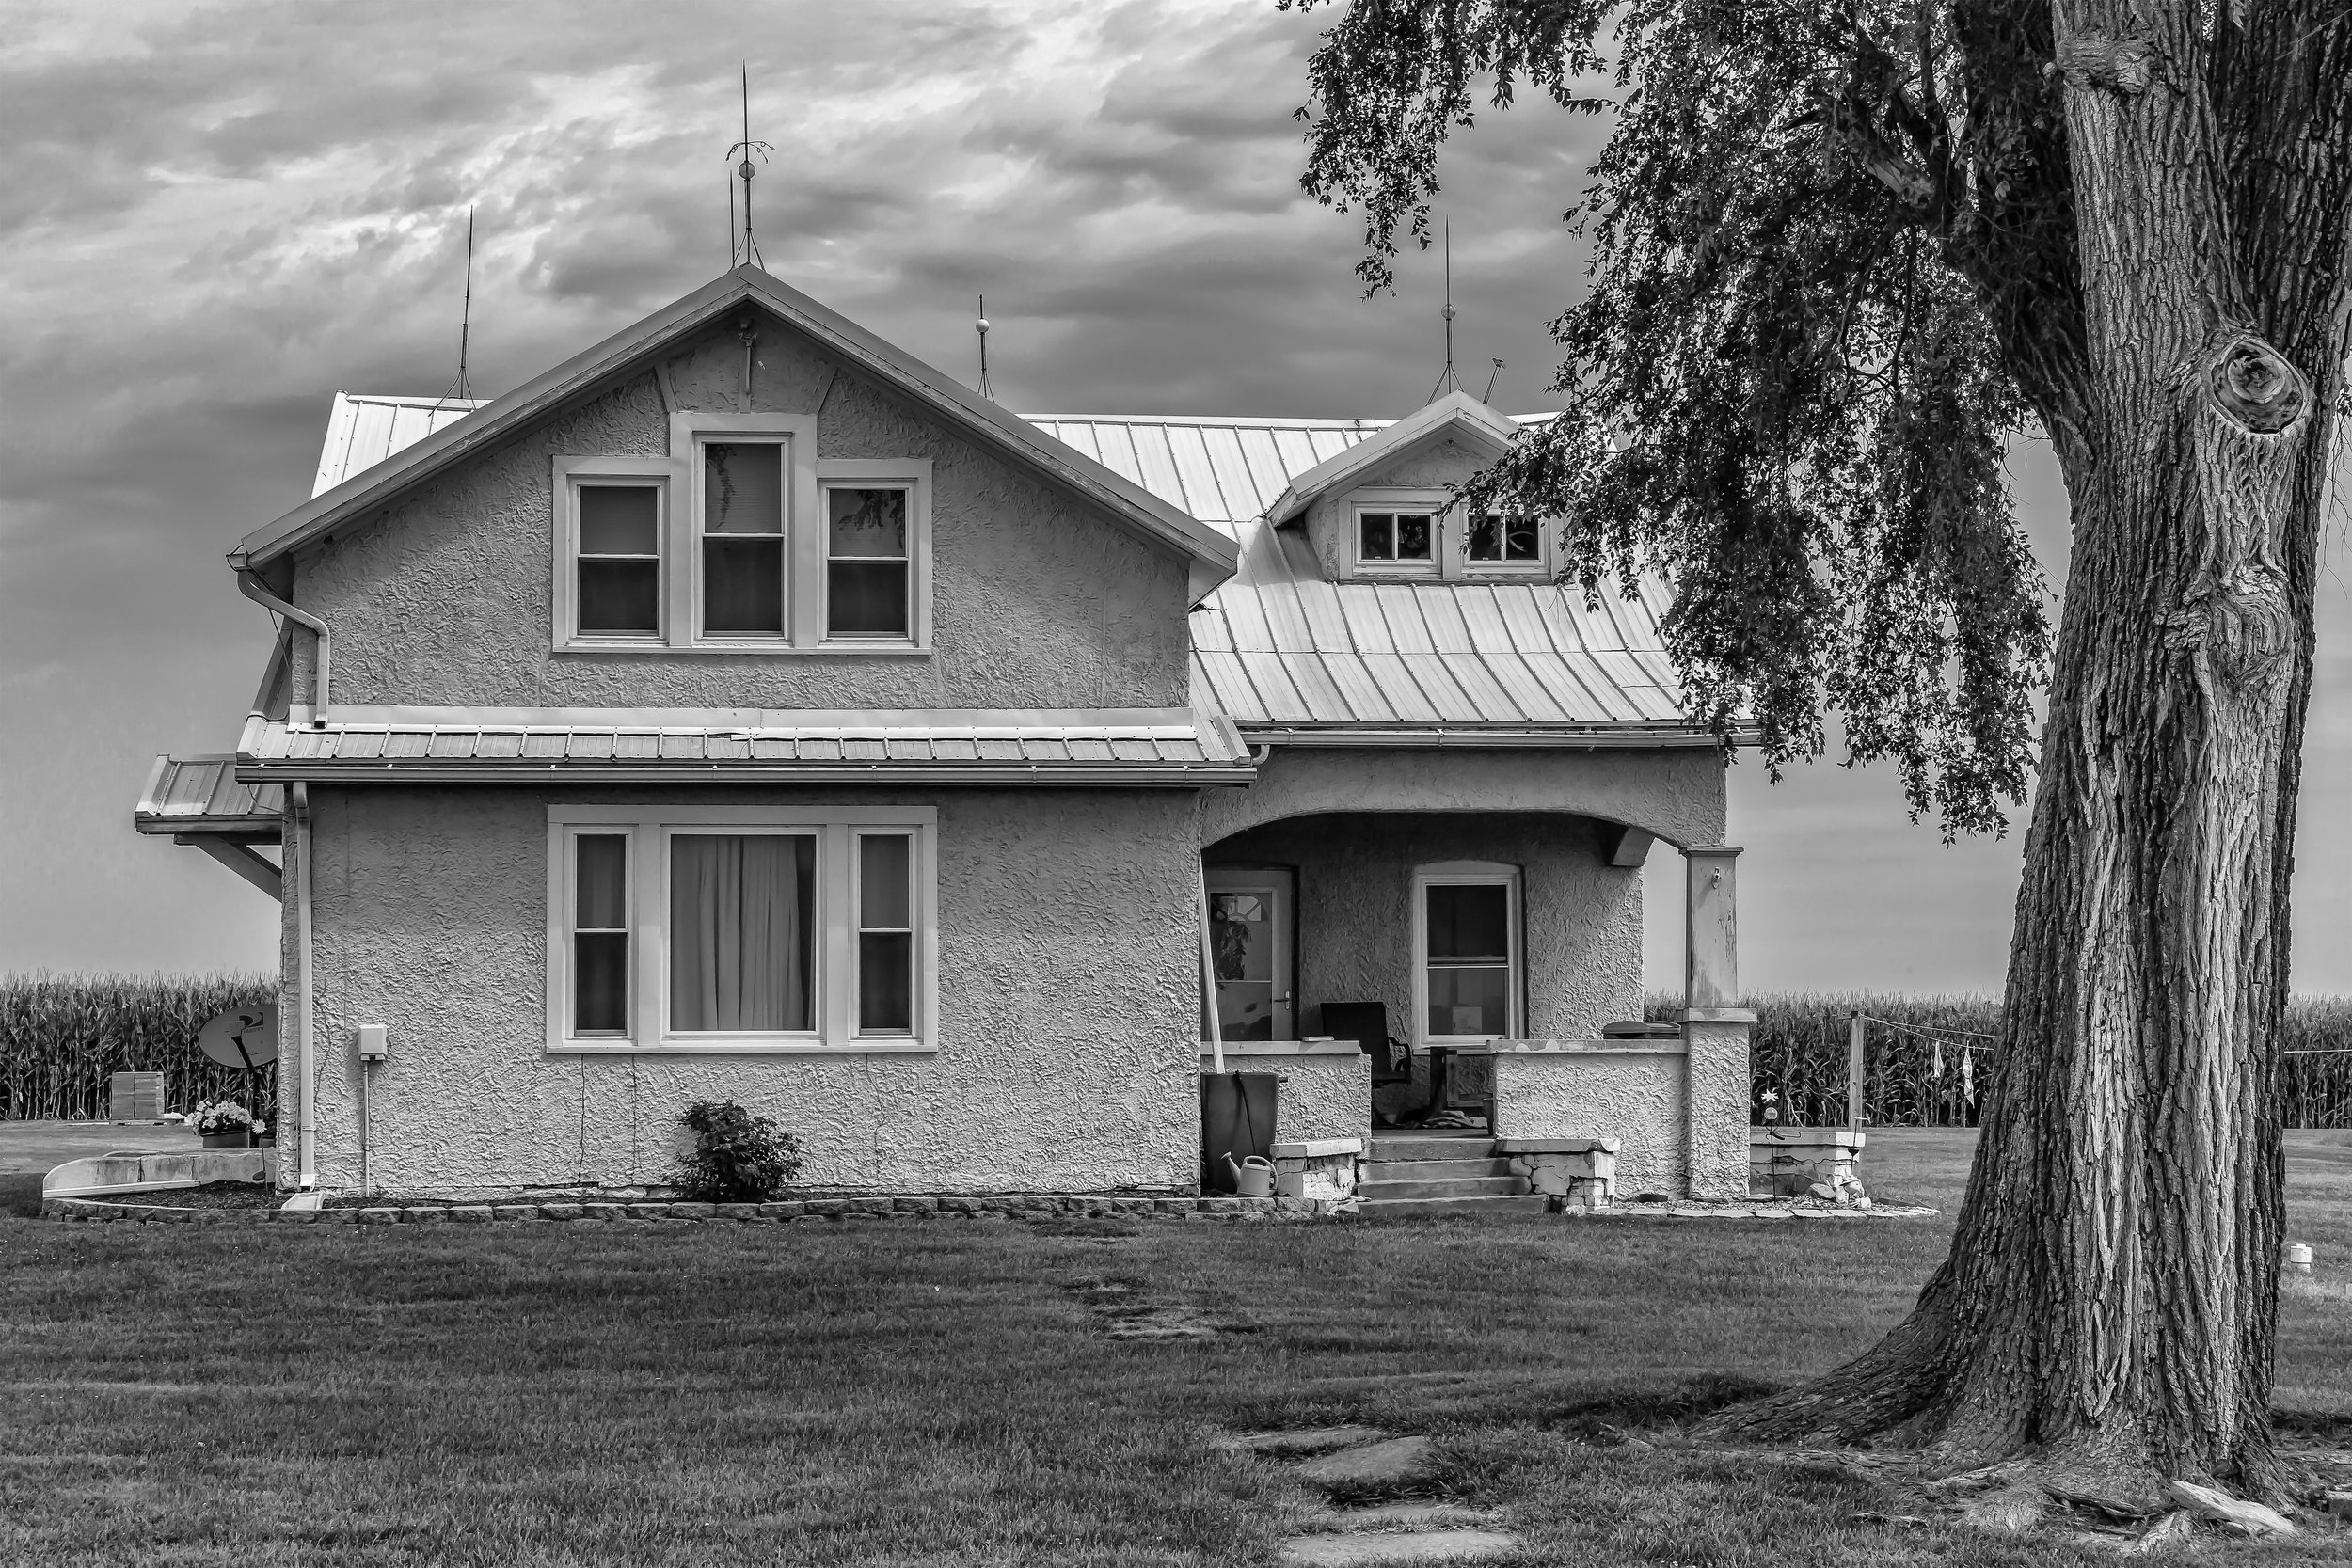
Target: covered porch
<point x="1450" y="947"/>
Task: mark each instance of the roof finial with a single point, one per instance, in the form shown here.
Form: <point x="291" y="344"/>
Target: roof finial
<point x="1446" y="383"/>
<point x="461" y="390"/>
<point x="741" y="248"/>
<point x="981" y="327"/>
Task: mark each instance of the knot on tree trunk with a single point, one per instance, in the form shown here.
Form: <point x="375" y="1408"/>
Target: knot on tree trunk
<point x="2240" y="622"/>
<point x="2097" y="60"/>
<point x="2256" y="385"/>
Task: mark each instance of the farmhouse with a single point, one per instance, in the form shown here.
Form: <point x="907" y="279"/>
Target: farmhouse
<point x="745" y="709"/>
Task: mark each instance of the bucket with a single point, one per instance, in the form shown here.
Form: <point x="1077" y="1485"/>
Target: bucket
<point x="2298" y="1257"/>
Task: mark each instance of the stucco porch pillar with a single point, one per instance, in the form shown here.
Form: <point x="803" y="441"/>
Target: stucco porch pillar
<point x="1715" y="1027"/>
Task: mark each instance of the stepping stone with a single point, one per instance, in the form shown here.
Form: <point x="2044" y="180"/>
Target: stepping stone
<point x="1373" y="1551"/>
<point x="1300" y="1445"/>
<point x="1399" y="1459"/>
<point x="1411" y="1516"/>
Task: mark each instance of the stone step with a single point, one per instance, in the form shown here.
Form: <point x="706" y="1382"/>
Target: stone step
<point x="1386" y="1150"/>
<point x="1432" y="1170"/>
<point x="1416" y="1208"/>
<point x="1451" y="1186"/>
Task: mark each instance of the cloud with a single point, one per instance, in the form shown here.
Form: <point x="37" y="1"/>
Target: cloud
<point x="218" y="215"/>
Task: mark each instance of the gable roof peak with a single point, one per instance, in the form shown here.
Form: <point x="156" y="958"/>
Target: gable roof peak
<point x="1007" y="434"/>
<point x="1457" y="414"/>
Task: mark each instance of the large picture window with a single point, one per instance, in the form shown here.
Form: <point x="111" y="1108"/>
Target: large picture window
<point x="734" y="928"/>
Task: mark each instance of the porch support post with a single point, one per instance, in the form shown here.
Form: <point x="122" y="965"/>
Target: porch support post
<point x="1715" y="1027"/>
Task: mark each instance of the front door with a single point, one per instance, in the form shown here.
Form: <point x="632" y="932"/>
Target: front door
<point x="1251" y="936"/>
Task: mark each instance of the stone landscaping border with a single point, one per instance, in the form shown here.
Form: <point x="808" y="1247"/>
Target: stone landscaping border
<point x="822" y="1209"/>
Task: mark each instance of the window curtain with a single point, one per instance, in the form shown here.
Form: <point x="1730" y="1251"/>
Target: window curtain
<point x="740" y="931"/>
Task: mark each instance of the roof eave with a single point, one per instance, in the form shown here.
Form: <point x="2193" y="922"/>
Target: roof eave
<point x="1457" y="411"/>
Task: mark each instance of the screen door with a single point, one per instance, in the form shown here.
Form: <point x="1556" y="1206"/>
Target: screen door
<point x="1252" y="940"/>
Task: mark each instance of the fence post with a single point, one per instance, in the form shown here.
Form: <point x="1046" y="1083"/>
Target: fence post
<point x="1853" y="1072"/>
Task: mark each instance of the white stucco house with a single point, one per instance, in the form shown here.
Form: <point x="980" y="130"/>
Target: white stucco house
<point x="745" y="709"/>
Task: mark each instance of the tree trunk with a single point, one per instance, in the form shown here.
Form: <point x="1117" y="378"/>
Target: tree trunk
<point x="2107" y="1307"/>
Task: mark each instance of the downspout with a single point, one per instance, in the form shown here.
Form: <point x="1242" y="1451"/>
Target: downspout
<point x="306" y="1128"/>
<point x="252" y="588"/>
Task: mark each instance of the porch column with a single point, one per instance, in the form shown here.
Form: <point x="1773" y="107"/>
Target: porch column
<point x="1715" y="1027"/>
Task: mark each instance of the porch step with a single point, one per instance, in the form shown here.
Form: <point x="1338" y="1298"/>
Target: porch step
<point x="1444" y="1186"/>
<point x="1389" y="1147"/>
<point x="1433" y="1170"/>
<point x="1415" y="1208"/>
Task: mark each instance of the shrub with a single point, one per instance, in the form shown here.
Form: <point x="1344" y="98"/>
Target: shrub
<point x="737" y="1158"/>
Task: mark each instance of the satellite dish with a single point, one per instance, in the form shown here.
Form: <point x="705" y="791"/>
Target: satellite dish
<point x="246" y="1038"/>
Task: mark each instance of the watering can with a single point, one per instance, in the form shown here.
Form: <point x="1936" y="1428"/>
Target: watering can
<point x="1252" y="1176"/>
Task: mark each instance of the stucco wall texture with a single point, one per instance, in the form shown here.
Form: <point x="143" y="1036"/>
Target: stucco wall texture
<point x="445" y="596"/>
<point x="1582" y="926"/>
<point x="1068" y="990"/>
<point x="1640" y="1098"/>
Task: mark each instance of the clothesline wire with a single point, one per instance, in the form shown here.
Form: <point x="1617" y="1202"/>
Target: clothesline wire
<point x="1927" y="1033"/>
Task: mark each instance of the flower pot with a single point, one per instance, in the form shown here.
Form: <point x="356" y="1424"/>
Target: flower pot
<point x="238" y="1139"/>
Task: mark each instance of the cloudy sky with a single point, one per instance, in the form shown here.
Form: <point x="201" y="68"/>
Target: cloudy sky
<point x="218" y="215"/>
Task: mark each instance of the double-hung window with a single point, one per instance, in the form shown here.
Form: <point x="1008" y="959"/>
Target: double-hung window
<point x="736" y="928"/>
<point x="744" y="512"/>
<point x="742" y="539"/>
<point x="1467" y="972"/>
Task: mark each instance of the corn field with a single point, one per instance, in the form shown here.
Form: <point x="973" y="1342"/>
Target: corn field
<point x="62" y="1036"/>
<point x="1926" y="1058"/>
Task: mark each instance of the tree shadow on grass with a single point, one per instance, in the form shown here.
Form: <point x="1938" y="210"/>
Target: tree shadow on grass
<point x="1630" y="1407"/>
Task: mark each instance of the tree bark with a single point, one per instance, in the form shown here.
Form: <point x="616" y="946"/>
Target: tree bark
<point x="2107" y="1311"/>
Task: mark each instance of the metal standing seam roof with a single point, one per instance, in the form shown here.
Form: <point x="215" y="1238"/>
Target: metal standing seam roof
<point x="203" y="794"/>
<point x="1135" y="746"/>
<point x="364" y="429"/>
<point x="1280" y="646"/>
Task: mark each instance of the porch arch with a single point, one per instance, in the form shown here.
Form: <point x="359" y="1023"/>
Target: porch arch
<point x="1673" y="794"/>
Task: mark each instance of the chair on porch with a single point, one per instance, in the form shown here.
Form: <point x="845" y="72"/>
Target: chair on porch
<point x="1367" y="1024"/>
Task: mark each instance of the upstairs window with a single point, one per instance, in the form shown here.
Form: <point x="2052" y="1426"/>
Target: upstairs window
<point x="1497" y="539"/>
<point x="868" y="566"/>
<point x="1397" y="538"/>
<point x="742" y="540"/>
<point x="743" y="533"/>
<point x="619" y="564"/>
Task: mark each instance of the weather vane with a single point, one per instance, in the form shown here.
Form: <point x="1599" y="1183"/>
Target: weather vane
<point x="981" y="326"/>
<point x="742" y="248"/>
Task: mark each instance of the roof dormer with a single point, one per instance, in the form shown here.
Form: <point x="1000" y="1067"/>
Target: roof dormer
<point x="1384" y="510"/>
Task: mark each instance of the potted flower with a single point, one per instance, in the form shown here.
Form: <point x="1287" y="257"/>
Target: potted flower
<point x="223" y="1125"/>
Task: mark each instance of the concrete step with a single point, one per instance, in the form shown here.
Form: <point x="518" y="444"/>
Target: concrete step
<point x="1426" y="1146"/>
<point x="1432" y="1170"/>
<point x="1415" y="1208"/>
<point x="1453" y="1186"/>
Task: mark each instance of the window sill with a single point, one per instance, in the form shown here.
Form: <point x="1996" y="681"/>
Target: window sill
<point x="763" y="649"/>
<point x="746" y="1048"/>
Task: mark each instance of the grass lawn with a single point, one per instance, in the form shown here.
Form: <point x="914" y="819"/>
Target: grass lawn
<point x="942" y="1391"/>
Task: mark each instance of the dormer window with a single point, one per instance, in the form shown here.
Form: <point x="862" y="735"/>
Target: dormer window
<point x="1397" y="538"/>
<point x="1503" y="539"/>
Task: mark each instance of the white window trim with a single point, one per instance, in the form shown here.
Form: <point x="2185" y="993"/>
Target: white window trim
<point x="914" y="475"/>
<point x="1434" y="502"/>
<point x="564" y="883"/>
<point x="681" y="504"/>
<point x="1450" y="549"/>
<point x="1466" y="874"/>
<point x="570" y="473"/>
<point x="649" y="829"/>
